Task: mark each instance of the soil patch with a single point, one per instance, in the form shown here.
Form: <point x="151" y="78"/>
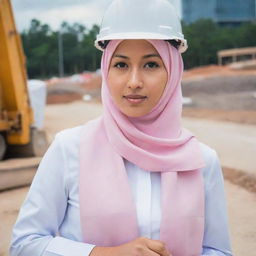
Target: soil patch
<point x="237" y="116"/>
<point x="63" y="98"/>
<point x="240" y="178"/>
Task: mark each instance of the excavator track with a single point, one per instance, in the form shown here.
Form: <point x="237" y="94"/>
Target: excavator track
<point x="17" y="172"/>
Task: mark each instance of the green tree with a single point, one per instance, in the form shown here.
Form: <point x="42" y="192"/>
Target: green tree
<point x="40" y="49"/>
<point x="201" y="40"/>
<point x="205" y="38"/>
<point x="91" y="54"/>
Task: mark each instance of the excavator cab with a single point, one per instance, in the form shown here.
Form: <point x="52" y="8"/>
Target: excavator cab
<point x="18" y="137"/>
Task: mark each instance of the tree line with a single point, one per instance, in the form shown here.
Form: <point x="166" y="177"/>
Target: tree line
<point x="41" y="46"/>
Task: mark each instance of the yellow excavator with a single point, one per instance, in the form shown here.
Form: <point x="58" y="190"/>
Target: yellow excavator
<point x="18" y="138"/>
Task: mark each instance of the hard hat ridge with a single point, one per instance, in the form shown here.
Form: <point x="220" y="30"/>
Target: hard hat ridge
<point x="143" y="19"/>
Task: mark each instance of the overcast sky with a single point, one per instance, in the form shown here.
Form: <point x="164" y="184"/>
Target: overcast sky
<point x="53" y="12"/>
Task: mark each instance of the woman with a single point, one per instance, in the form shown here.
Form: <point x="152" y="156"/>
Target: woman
<point x="132" y="182"/>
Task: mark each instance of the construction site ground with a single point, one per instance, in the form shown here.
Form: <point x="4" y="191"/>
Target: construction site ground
<point x="222" y="115"/>
<point x="241" y="202"/>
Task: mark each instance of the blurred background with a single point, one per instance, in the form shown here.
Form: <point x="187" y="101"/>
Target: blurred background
<point x="50" y="80"/>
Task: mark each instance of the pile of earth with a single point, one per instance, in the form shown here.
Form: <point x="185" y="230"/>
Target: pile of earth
<point x="222" y="92"/>
<point x="217" y="92"/>
<point x="66" y="90"/>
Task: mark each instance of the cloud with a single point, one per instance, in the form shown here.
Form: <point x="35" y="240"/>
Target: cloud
<point x="81" y="14"/>
<point x="43" y="5"/>
<point x="54" y="12"/>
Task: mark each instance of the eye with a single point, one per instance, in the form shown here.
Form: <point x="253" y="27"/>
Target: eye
<point x="151" y="64"/>
<point x="120" y="65"/>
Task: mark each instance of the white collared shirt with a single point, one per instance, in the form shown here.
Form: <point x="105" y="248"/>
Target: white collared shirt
<point x="49" y="220"/>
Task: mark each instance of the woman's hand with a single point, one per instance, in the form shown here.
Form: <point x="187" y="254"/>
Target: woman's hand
<point x="139" y="247"/>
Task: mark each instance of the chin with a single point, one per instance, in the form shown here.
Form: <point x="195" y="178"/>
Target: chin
<point x="134" y="113"/>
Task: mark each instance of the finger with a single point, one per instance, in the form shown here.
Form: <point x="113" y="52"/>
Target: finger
<point x="149" y="252"/>
<point x="158" y="247"/>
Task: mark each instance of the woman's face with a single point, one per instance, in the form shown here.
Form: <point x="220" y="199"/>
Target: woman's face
<point x="137" y="77"/>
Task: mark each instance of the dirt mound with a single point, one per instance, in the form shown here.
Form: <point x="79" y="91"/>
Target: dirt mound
<point x="220" y="88"/>
<point x="63" y="98"/>
<point x="203" y="72"/>
<point x="66" y="90"/>
<point x="219" y="85"/>
<point x="93" y="84"/>
<point x="217" y="92"/>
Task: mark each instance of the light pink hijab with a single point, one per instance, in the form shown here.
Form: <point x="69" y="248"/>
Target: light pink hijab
<point x="155" y="142"/>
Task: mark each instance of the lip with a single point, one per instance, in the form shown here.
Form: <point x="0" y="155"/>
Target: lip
<point x="135" y="98"/>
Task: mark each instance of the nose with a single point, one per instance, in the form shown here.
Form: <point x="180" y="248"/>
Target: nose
<point x="134" y="80"/>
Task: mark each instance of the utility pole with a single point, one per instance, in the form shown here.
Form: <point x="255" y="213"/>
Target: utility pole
<point x="60" y="48"/>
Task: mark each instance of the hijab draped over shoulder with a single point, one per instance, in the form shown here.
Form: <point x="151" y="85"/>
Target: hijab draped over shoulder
<point x="155" y="142"/>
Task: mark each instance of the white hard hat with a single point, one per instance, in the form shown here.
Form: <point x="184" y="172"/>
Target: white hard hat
<point x="141" y="19"/>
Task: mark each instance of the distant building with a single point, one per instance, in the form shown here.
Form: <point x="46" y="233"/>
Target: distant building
<point x="224" y="12"/>
<point x="246" y="55"/>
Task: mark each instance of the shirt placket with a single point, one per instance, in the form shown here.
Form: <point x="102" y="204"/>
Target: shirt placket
<point x="144" y="202"/>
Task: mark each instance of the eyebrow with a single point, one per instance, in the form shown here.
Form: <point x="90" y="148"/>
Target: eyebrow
<point x="151" y="55"/>
<point x="144" y="57"/>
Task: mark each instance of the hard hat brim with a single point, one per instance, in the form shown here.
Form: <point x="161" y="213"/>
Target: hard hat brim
<point x="124" y="36"/>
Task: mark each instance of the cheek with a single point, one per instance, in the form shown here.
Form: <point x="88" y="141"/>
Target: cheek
<point x="159" y="82"/>
<point x="164" y="80"/>
<point x="114" y="85"/>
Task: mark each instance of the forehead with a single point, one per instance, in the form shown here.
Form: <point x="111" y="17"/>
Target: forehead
<point x="135" y="46"/>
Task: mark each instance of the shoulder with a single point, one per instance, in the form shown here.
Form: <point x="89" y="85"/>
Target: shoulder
<point x="66" y="143"/>
<point x="64" y="147"/>
<point x="209" y="154"/>
<point x="69" y="137"/>
<point x="72" y="136"/>
<point x="212" y="171"/>
<point x="69" y="140"/>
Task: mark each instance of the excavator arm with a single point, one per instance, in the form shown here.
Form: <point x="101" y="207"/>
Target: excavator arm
<point x="16" y="114"/>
